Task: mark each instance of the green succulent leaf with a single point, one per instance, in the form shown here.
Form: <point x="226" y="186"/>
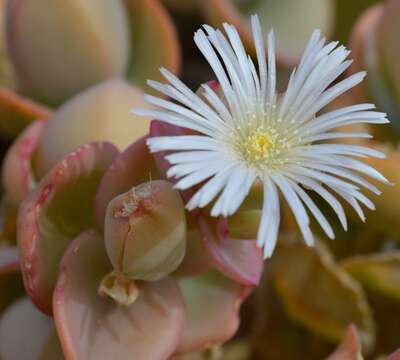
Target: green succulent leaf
<point x="376" y="272"/>
<point x="291" y="35"/>
<point x="100" y="113"/>
<point x="318" y="293"/>
<point x="59" y="49"/>
<point x="155" y="42"/>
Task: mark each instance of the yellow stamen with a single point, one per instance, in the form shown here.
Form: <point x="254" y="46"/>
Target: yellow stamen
<point x="257" y="146"/>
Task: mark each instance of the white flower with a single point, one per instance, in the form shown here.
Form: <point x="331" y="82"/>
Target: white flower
<point x="248" y="133"/>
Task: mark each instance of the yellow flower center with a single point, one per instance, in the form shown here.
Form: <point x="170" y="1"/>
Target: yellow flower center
<point x="261" y="147"/>
<point x="258" y="147"/>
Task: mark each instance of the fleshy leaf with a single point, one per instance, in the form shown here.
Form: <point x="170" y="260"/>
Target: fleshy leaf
<point x="60" y="49"/>
<point x="154" y="42"/>
<point x="275" y="335"/>
<point x="18" y="174"/>
<point x="94" y="327"/>
<point x="16" y="112"/>
<point x="291" y="35"/>
<point x="350" y="348"/>
<point x="388" y="43"/>
<point x="11" y="286"/>
<point x="361" y="34"/>
<point x="365" y="46"/>
<point x="240" y="260"/>
<point x="212" y="310"/>
<point x="377" y="272"/>
<point x="100" y="113"/>
<point x="196" y="260"/>
<point x="24" y="331"/>
<point x="145" y="231"/>
<point x="132" y="167"/>
<point x="386" y="216"/>
<point x="58" y="209"/>
<point x="394" y="356"/>
<point x="318" y="293"/>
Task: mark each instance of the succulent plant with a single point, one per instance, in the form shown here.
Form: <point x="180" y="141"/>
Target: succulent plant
<point x="56" y="52"/>
<point x="108" y="263"/>
<point x="100" y="229"/>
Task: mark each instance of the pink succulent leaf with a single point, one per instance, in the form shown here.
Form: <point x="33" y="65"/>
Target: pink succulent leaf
<point x="133" y="166"/>
<point x="18" y="176"/>
<point x="350" y="348"/>
<point x="212" y="310"/>
<point x="196" y="260"/>
<point x="240" y="260"/>
<point x="394" y="356"/>
<point x="24" y="331"/>
<point x="58" y="209"/>
<point x="94" y="327"/>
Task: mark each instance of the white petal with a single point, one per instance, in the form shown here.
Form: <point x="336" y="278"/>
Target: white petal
<point x="297" y="208"/>
<point x="183" y="142"/>
<point x="314" y="210"/>
<point x="210" y="189"/>
<point x="270" y="221"/>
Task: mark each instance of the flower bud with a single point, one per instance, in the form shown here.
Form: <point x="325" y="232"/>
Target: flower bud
<point x="145" y="231"/>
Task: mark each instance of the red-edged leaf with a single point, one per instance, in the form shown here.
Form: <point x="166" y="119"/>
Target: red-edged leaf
<point x="350" y="348"/>
<point x="18" y="176"/>
<point x="94" y="327"/>
<point x="58" y="209"/>
<point x="240" y="260"/>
